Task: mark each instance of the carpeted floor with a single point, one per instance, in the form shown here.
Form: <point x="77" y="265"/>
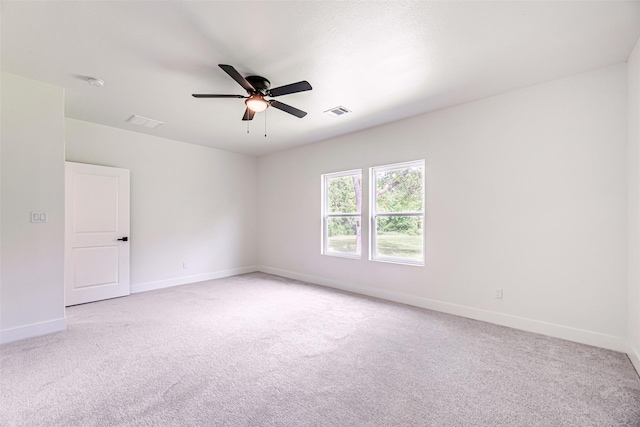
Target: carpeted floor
<point x="260" y="350"/>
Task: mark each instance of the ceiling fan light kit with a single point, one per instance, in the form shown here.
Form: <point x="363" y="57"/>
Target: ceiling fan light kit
<point x="256" y="103"/>
<point x="257" y="88"/>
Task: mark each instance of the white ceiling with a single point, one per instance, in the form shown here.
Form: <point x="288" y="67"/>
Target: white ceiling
<point x="382" y="60"/>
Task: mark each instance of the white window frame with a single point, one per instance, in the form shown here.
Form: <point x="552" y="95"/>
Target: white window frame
<point x="326" y="215"/>
<point x="374" y="214"/>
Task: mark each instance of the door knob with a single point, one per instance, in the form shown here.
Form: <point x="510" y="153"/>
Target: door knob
<point x="124" y="239"/>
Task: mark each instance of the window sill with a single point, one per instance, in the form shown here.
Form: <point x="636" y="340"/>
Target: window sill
<point x="343" y="255"/>
<point x="411" y="263"/>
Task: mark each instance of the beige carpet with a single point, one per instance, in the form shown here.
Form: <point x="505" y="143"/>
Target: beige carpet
<point x="259" y="350"/>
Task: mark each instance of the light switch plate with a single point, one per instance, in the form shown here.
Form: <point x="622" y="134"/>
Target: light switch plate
<point x="39" y="217"/>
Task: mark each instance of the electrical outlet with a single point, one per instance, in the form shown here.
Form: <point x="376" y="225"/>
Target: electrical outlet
<point x="498" y="294"/>
<point x="185" y="265"/>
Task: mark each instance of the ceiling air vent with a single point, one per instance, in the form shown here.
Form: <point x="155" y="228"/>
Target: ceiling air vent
<point x="337" y="111"/>
<point x="143" y="121"/>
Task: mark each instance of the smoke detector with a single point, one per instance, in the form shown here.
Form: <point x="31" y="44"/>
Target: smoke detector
<point x="95" y="82"/>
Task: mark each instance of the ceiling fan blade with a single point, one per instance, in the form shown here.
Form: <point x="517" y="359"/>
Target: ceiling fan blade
<point x="248" y="115"/>
<point x="292" y="88"/>
<point x="209" y="95"/>
<point x="235" y="75"/>
<point x="287" y="108"/>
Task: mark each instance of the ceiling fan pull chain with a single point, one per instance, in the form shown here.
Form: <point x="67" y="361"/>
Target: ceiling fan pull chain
<point x="247" y="126"/>
<point x="265" y="123"/>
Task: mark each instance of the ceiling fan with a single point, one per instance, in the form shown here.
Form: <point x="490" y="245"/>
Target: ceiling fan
<point x="258" y="87"/>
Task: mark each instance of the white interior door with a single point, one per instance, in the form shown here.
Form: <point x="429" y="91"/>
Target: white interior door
<point x="96" y="233"/>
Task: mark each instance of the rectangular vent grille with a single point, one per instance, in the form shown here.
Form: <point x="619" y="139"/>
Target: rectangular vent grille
<point x="337" y="111"/>
<point x="143" y="121"/>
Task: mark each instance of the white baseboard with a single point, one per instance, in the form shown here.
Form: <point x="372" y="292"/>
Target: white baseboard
<point x="32" y="330"/>
<point x="634" y="356"/>
<point x="530" y="325"/>
<point x="185" y="280"/>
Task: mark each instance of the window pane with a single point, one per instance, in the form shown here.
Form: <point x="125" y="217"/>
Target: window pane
<point x="342" y="201"/>
<point x="399" y="190"/>
<point x="344" y="194"/>
<point x="343" y="235"/>
<point x="399" y="237"/>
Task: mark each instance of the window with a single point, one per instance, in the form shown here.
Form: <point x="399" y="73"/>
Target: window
<point x="341" y="207"/>
<point x="397" y="213"/>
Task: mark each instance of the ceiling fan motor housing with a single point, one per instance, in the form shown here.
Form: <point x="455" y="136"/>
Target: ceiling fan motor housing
<point x="261" y="84"/>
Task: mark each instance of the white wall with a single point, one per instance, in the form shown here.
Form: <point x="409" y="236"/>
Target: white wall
<point x="525" y="191"/>
<point x="188" y="203"/>
<point x="32" y="278"/>
<point x="633" y="72"/>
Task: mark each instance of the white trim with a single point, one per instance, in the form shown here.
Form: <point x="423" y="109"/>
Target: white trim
<point x="185" y="280"/>
<point x="530" y="325"/>
<point x="32" y="330"/>
<point x="634" y="356"/>
<point x="400" y="261"/>
<point x="401" y="165"/>
<point x="343" y="255"/>
<point x="342" y="173"/>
